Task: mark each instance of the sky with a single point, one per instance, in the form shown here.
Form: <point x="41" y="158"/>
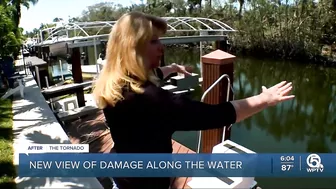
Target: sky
<point x="46" y="10"/>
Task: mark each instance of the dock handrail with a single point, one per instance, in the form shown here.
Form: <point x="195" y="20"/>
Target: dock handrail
<point x="227" y="99"/>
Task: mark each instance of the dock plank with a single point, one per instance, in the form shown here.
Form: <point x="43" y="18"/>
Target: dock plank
<point x="188" y="179"/>
<point x="30" y="61"/>
<point x="180" y="182"/>
<point x="176" y="147"/>
<point x="60" y="90"/>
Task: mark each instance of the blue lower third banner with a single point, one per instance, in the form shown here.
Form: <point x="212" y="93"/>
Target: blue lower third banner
<point x="177" y="165"/>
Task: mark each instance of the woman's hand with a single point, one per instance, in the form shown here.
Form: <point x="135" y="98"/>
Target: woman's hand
<point x="175" y="68"/>
<point x="269" y="97"/>
<point x="186" y="70"/>
<point x="278" y="93"/>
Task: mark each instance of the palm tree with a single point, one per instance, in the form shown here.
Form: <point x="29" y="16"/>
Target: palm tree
<point x="241" y="4"/>
<point x="16" y="8"/>
<point x="17" y="4"/>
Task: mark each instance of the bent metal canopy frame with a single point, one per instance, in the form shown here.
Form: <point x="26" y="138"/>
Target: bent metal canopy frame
<point x="180" y="30"/>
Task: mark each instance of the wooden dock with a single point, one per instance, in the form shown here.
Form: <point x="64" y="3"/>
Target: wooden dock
<point x="180" y="182"/>
<point x="29" y="61"/>
<point x="92" y="130"/>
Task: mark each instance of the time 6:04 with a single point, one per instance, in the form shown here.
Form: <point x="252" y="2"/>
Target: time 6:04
<point x="286" y="158"/>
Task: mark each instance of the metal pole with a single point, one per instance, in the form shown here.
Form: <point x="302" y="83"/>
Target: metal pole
<point x="37" y="76"/>
<point x="201" y="53"/>
<point x="47" y="82"/>
<point x="23" y="59"/>
<point x="227" y="99"/>
<point x="62" y="76"/>
<point x="95" y="55"/>
<point x="202" y="33"/>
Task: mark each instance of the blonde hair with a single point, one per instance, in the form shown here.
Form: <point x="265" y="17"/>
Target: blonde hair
<point x="125" y="57"/>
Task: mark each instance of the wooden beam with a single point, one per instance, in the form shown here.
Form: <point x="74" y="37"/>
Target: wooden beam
<point x="77" y="75"/>
<point x="65" y="89"/>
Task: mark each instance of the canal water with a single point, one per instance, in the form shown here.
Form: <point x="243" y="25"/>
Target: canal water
<point x="305" y="124"/>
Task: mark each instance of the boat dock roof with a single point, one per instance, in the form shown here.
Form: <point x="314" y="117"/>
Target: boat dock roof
<point x="180" y="30"/>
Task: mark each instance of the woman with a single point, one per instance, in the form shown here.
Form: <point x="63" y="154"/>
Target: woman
<point x="141" y="115"/>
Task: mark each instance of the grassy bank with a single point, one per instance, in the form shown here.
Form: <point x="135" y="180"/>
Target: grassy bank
<point x="7" y="169"/>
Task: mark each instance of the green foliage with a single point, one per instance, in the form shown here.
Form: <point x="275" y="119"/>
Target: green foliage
<point x="288" y="29"/>
<point x="9" y="40"/>
<point x="10" y="32"/>
<point x="7" y="169"/>
<point x="291" y="31"/>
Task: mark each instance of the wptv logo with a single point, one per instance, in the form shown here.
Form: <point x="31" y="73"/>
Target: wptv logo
<point x="314" y="163"/>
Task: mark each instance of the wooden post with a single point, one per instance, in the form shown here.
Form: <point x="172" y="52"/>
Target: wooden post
<point x="77" y="75"/>
<point x="215" y="64"/>
<point x="39" y="52"/>
<point x="47" y="52"/>
<point x="43" y="52"/>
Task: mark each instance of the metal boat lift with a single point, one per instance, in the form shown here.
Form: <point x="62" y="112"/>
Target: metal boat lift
<point x="190" y="26"/>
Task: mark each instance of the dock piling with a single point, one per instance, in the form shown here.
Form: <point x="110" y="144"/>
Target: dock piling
<point x="214" y="65"/>
<point x="77" y="74"/>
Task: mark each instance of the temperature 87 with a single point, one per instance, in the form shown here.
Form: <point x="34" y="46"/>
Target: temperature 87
<point x="287" y="167"/>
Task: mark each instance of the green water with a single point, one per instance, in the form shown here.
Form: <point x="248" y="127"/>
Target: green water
<point x="306" y="124"/>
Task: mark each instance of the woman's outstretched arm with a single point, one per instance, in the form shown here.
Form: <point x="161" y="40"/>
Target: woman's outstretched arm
<point x="185" y="114"/>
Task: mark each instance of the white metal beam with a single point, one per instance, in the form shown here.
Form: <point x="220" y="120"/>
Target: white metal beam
<point x="176" y="24"/>
<point x="164" y="40"/>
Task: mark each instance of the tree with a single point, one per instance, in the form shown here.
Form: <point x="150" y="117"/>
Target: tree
<point x="57" y="19"/>
<point x="17" y="4"/>
<point x="11" y="34"/>
<point x="9" y="40"/>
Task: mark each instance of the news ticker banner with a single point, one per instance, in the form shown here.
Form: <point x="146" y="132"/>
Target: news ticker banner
<point x="83" y="164"/>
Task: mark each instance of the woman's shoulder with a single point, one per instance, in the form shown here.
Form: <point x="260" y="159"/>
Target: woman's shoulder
<point x="149" y="90"/>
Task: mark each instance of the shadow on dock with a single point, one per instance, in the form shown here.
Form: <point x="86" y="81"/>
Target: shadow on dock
<point x="92" y="130"/>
